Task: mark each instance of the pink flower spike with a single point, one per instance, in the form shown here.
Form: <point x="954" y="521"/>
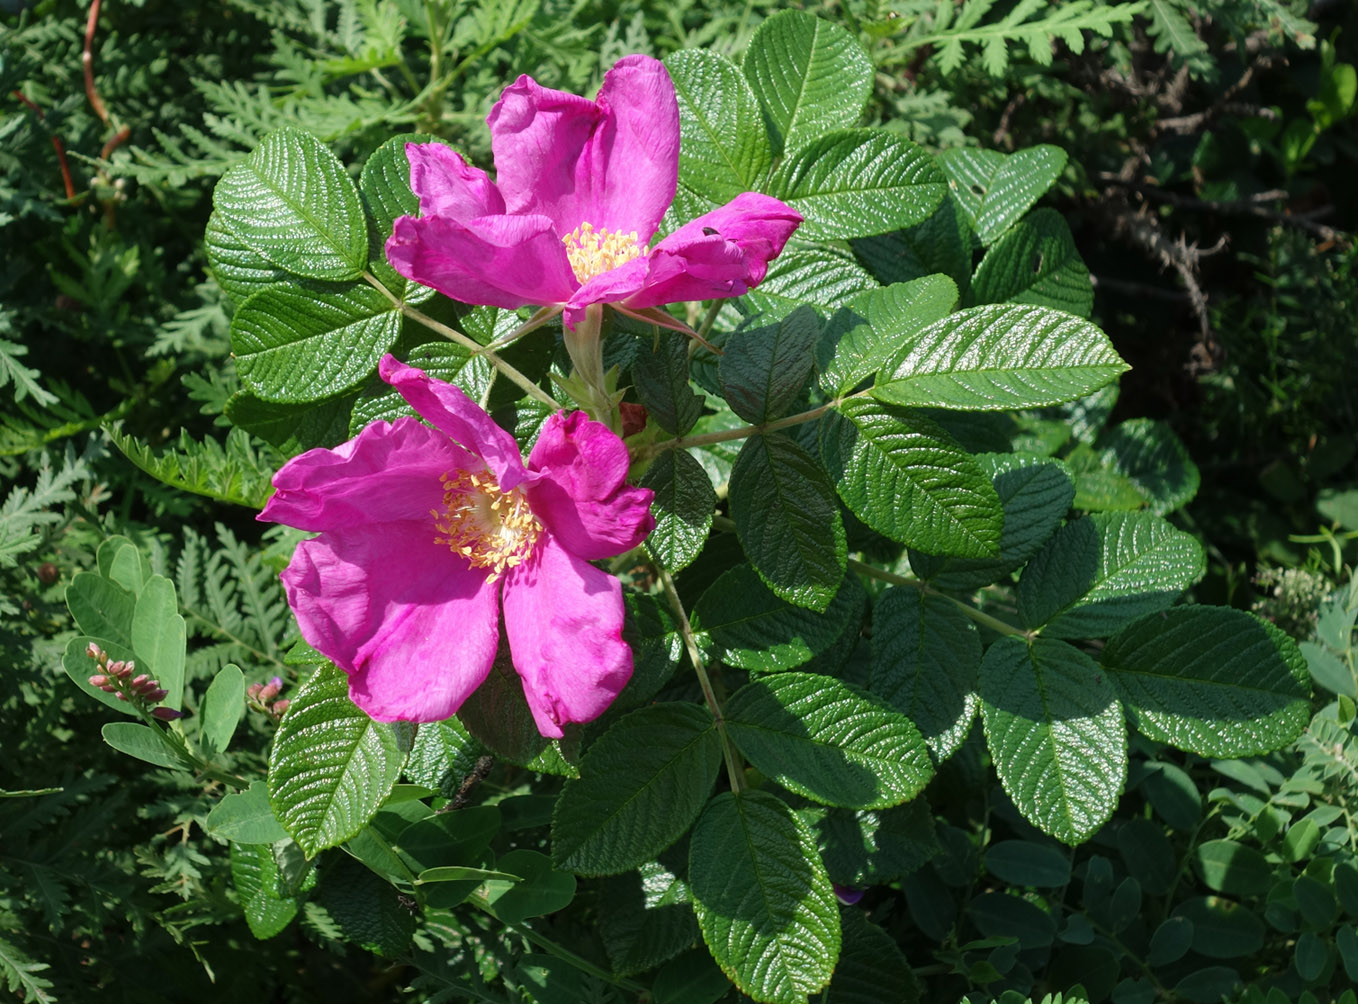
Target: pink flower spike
<point x="166" y="714"/>
<point x="581" y="188"/>
<point x="406" y="600"/>
<point x="98" y="680"/>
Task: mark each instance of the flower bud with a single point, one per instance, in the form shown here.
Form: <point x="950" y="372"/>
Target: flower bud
<point x="157" y="695"/>
<point x="253" y="690"/>
<point x="98" y="680"/>
<point x="166" y="714"/>
<point x="280" y="706"/>
<point x="122" y="696"/>
<point x="94" y="651"/>
<point x="268" y="692"/>
<point x="140" y="680"/>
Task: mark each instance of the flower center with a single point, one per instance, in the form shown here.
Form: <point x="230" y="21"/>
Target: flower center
<point x="490" y="528"/>
<point x="593" y="252"/>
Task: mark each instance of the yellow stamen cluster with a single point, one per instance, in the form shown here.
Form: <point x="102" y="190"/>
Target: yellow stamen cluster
<point x="593" y="252"/>
<point x="490" y="528"/>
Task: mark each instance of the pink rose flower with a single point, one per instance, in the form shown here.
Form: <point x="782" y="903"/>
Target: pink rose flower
<point x="579" y="192"/>
<point x="425" y="533"/>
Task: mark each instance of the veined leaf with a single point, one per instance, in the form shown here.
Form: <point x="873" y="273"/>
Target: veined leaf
<point x="995" y="190"/>
<point x="239" y="270"/>
<point x="1151" y="456"/>
<point x="292" y="203"/>
<point x="819" y="276"/>
<point x="725" y="148"/>
<point x="939" y="245"/>
<point x="764" y="903"/>
<point x="254" y="872"/>
<point x="1100" y="572"/>
<point x="385" y="189"/>
<point x="641" y="786"/>
<point x="765" y="369"/>
<point x="295" y="345"/>
<point x="869" y="964"/>
<point x="1056" y="734"/>
<point x="1000" y="357"/>
<point x="1212" y="680"/>
<point x="828" y="741"/>
<point x="925" y="656"/>
<point x="810" y="76"/>
<point x="902" y="475"/>
<point x="661" y="376"/>
<point x="331" y="765"/>
<point x="788" y="522"/>
<point x="1036" y="262"/>
<point x="683" y="506"/>
<point x="859" y="182"/>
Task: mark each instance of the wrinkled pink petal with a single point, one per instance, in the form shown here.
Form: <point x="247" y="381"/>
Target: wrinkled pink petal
<point x="459" y="417"/>
<point x="498" y="261"/>
<point x="414" y="626"/>
<point x="448" y="186"/>
<point x="564" y="621"/>
<point x="583" y="498"/>
<point x="389" y="471"/>
<point x="613" y="162"/>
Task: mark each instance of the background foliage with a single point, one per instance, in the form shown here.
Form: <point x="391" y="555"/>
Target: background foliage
<point x="1204" y="167"/>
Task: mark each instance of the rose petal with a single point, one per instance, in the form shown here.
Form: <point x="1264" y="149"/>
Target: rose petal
<point x="582" y="497"/>
<point x="448" y="186"/>
<point x="564" y="621"/>
<point x="459" y="417"/>
<point x="498" y="261"/>
<point x="613" y="163"/>
<point x="414" y="626"/>
<point x="389" y="471"/>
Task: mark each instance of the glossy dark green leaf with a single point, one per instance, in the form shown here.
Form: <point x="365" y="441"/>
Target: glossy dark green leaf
<point x="641" y="785"/>
<point x="764" y="902"/>
<point x="660" y="372"/>
<point x="1222" y="928"/>
<point x="1036" y="262"/>
<point x="788" y="521"/>
<point x="765" y="368"/>
<point x="822" y="277"/>
<point x="254" y="873"/>
<point x="384" y="186"/>
<point x="1151" y="457"/>
<point x="828" y="741"/>
<point x="902" y="475"/>
<point x="861" y="338"/>
<point x="1025" y="863"/>
<point x="1213" y="680"/>
<point x="725" y="148"/>
<point x="925" y="656"/>
<point x="1231" y="867"/>
<point x="1056" y="734"/>
<point x="683" y="507"/>
<point x="539" y="890"/>
<point x="995" y="190"/>
<point x="872" y="969"/>
<point x="868" y="847"/>
<point x="649" y="918"/>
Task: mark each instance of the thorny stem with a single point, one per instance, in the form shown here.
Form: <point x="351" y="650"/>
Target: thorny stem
<point x="453" y="335"/>
<point x="691" y="646"/>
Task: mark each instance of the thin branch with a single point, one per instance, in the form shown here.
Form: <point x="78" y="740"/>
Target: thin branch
<point x="56" y="145"/>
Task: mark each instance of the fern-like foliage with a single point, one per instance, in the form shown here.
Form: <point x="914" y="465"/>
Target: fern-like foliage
<point x="26" y="512"/>
<point x="232" y="603"/>
<point x="1172" y="27"/>
<point x="238" y="470"/>
<point x="20" y="973"/>
<point x="1031" y="25"/>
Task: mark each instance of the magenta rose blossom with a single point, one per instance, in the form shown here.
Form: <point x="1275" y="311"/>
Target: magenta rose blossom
<point x="580" y="188"/>
<point x="426" y="533"/>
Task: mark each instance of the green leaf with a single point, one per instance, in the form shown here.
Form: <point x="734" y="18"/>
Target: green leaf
<point x="661" y="377"/>
<point x="255" y="874"/>
<point x="238" y="270"/>
<point x="101" y="608"/>
<point x="293" y="345"/>
<point x="874" y="846"/>
<point x="1222" y="929"/>
<point x="80" y="667"/>
<point x="540" y="890"/>
<point x="158" y="637"/>
<point x="810" y="76"/>
<point x="828" y="741"/>
<point x="788" y="522"/>
<point x="740" y="622"/>
<point x="1056" y="735"/>
<point x="649" y="919"/>
<point x="232" y="472"/>
<point x="368" y="911"/>
<point x="384" y="187"/>
<point x="246" y="817"/>
<point x="902" y="475"/>
<point x="725" y="147"/>
<point x="1025" y="863"/>
<point x="293" y="428"/>
<point x="1098" y="573"/>
<point x="871" y="966"/>
<point x="1148" y="453"/>
<point x="1036" y="495"/>
<point x="332" y="766"/>
<point x="1099" y="488"/>
<point x="765" y="369"/>
<point x="291" y="202"/>
<point x="1000" y="357"/>
<point x="995" y="190"/>
<point x="764" y="903"/>
<point x="222" y="708"/>
<point x="861" y="338"/>
<point x="497" y="715"/>
<point x="859" y="182"/>
<point x="925" y="656"/>
<point x="820" y="276"/>
<point x="1211" y="680"/>
<point x="142" y="742"/>
<point x="1233" y="868"/>
<point x="641" y="786"/>
<point x="1036" y="262"/>
<point x="683" y="507"/>
<point x="941" y="244"/>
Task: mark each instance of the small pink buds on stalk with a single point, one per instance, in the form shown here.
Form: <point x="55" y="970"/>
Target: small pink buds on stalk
<point x="141" y="691"/>
<point x="260" y="697"/>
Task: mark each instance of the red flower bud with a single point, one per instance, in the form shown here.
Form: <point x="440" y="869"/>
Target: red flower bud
<point x="280" y="706"/>
<point x="166" y="714"/>
<point x="98" y="680"/>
